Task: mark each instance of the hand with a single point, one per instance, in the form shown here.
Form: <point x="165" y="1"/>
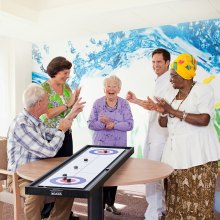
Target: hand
<point x="163" y="106"/>
<point x="65" y="124"/>
<point x="77" y="93"/>
<point x="110" y="125"/>
<point x="104" y="119"/>
<point x="149" y="104"/>
<point x="74" y="97"/>
<point x="131" y="97"/>
<point x="76" y="109"/>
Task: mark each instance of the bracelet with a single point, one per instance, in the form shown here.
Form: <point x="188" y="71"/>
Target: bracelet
<point x="163" y="115"/>
<point x="184" y="116"/>
<point x="181" y="118"/>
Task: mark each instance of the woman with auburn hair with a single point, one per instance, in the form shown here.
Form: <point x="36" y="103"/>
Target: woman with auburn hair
<point x="62" y="100"/>
<point x="62" y="103"/>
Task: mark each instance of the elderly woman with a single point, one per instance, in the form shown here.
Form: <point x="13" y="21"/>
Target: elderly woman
<point x="110" y="119"/>
<point x="192" y="148"/>
<point x="61" y="99"/>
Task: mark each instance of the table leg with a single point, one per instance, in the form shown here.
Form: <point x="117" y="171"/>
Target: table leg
<point x="95" y="207"/>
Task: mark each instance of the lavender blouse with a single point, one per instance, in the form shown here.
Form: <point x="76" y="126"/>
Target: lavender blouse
<point x="121" y="116"/>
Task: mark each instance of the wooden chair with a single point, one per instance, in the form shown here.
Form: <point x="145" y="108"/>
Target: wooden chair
<point x="12" y="198"/>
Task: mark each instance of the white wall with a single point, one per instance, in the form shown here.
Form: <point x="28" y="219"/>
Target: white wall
<point x="15" y="75"/>
<point x="23" y="69"/>
<point x="4" y="85"/>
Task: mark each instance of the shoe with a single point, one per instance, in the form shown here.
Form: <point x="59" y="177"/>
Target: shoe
<point x="73" y="216"/>
<point x="163" y="216"/>
<point x="113" y="210"/>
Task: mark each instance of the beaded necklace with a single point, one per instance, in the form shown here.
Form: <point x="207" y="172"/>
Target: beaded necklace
<point x="109" y="108"/>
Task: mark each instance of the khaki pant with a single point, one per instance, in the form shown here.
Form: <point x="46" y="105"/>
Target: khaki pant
<point x="34" y="204"/>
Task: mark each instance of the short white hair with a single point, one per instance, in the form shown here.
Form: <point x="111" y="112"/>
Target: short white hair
<point x="112" y="77"/>
<point x="32" y="94"/>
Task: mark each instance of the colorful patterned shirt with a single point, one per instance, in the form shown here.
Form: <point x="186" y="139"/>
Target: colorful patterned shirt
<point x="29" y="140"/>
<point x="54" y="101"/>
<point x="121" y="116"/>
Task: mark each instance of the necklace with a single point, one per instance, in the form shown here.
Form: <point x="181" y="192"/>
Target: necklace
<point x="172" y="116"/>
<point x="109" y="108"/>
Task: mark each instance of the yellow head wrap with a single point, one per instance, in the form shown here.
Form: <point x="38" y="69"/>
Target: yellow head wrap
<point x="185" y="65"/>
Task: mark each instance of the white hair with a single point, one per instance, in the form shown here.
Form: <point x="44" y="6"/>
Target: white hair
<point x="32" y="94"/>
<point x="112" y="77"/>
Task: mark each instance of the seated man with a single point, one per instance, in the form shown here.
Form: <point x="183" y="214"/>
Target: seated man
<point x="29" y="140"/>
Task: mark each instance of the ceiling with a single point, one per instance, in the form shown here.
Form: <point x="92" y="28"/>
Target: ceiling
<point x="55" y="19"/>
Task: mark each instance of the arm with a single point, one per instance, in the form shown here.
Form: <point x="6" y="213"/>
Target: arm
<point x="34" y="142"/>
<point x="40" y="140"/>
<point x="127" y="123"/>
<point x="131" y="97"/>
<point x="54" y="111"/>
<point x="94" y="123"/>
<point x="147" y="104"/>
<point x="166" y="110"/>
<point x="194" y="119"/>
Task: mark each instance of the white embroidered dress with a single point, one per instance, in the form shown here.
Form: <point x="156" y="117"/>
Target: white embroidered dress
<point x="190" y="145"/>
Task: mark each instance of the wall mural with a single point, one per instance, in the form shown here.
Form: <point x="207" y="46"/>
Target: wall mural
<point x="127" y="54"/>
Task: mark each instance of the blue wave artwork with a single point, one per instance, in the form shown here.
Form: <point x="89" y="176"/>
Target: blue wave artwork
<point x="99" y="56"/>
<point x="116" y="50"/>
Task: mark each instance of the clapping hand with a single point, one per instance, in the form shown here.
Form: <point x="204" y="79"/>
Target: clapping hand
<point x="108" y="123"/>
<point x="77" y="93"/>
<point x="131" y="97"/>
<point x="74" y="97"/>
<point x="65" y="124"/>
<point x="162" y="105"/>
<point x="104" y="119"/>
<point x="76" y="109"/>
<point x="149" y="104"/>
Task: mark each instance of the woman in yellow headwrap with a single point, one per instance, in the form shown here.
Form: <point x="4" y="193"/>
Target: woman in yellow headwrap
<point x="192" y="147"/>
